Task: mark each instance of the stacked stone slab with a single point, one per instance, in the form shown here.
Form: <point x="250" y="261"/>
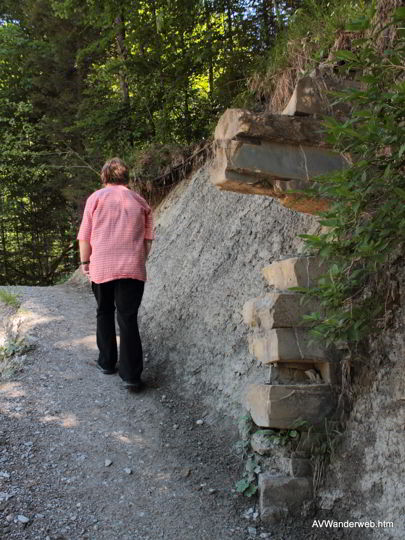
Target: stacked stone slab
<point x="301" y="375"/>
<point x="313" y="95"/>
<point x="269" y="154"/>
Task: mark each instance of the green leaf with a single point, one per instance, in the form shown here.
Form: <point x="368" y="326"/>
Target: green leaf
<point x="251" y="490"/>
<point x="242" y="485"/>
<point x="399" y="14"/>
<point x="346" y="55"/>
<point x="400" y="192"/>
<point x="358" y="24"/>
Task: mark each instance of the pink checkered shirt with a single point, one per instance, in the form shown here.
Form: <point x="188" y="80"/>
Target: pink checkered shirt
<point x="116" y="221"/>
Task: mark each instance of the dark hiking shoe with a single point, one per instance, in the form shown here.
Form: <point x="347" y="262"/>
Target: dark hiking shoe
<point x="134" y="387"/>
<point x="104" y="370"/>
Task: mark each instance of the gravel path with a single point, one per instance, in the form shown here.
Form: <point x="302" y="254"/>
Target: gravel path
<point x="80" y="457"/>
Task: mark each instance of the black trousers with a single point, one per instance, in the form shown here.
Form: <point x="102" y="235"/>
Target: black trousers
<point x="126" y="295"/>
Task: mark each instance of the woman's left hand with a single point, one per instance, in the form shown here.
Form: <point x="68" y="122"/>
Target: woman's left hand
<point x="86" y="270"/>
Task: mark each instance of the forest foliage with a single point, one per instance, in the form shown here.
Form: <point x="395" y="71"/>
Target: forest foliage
<point x="364" y="237"/>
<point x="83" y="80"/>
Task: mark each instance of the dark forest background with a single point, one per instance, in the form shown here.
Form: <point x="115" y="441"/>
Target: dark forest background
<point x="85" y="80"/>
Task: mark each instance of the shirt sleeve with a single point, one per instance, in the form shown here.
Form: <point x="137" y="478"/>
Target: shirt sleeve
<point x="149" y="225"/>
<point x="87" y="221"/>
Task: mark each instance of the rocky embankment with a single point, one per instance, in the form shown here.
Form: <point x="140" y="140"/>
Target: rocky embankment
<point x="205" y="264"/>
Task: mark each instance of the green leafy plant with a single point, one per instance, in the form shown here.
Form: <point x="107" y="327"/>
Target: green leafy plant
<point x="365" y="222"/>
<point x="248" y="483"/>
<point x="12" y="351"/>
<point x="307" y="40"/>
<point x="9" y="298"/>
<point x="13" y="348"/>
<point x="281" y="437"/>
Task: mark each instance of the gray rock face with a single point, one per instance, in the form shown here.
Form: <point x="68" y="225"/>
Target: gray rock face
<point x="205" y="264"/>
<point x="368" y="478"/>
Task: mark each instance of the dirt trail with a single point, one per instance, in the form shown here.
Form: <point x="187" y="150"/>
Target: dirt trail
<point x="63" y="422"/>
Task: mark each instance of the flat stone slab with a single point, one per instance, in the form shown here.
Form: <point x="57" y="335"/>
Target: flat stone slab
<point x="294" y="272"/>
<point x="270" y="155"/>
<point x="244" y="125"/>
<point x="310" y="96"/>
<point x="286" y="345"/>
<point x="280" y="406"/>
<point x="282" y="495"/>
<point x="278" y="310"/>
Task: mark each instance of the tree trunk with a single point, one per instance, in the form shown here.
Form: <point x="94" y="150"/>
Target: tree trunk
<point x="210" y="55"/>
<point x="123" y="53"/>
<point x="230" y="25"/>
<point x="4" y="249"/>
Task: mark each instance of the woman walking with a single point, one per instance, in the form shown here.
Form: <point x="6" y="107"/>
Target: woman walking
<point x="115" y="238"/>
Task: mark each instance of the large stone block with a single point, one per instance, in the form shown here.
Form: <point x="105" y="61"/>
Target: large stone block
<point x="279" y="310"/>
<point x="282" y="495"/>
<point x="280" y="406"/>
<point x="249" y="312"/>
<point x="287" y="345"/>
<point x="306" y="99"/>
<point x="270" y="154"/>
<point x="244" y="125"/>
<point x="310" y="96"/>
<point x="294" y="272"/>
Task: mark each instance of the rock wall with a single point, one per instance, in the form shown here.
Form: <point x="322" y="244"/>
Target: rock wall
<point x="205" y="264"/>
<point x="366" y="480"/>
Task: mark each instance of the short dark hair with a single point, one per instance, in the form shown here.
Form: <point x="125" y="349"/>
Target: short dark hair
<point x="115" y="171"/>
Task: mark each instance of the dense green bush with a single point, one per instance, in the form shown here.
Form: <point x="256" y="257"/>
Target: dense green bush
<point x="366" y="218"/>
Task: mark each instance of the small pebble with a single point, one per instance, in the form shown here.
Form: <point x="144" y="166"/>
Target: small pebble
<point x="22" y="519"/>
<point x="211" y="491"/>
<point x="107" y="463"/>
<point x="200" y="422"/>
<point x="128" y="470"/>
<point x="176" y="426"/>
<point x="252" y="531"/>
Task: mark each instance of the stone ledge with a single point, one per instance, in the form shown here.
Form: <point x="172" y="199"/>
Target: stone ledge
<point x="271" y="155"/>
<point x="280" y="406"/>
<point x="279" y="310"/>
<point x="286" y="345"/>
<point x="282" y="495"/>
<point x="294" y="272"/>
